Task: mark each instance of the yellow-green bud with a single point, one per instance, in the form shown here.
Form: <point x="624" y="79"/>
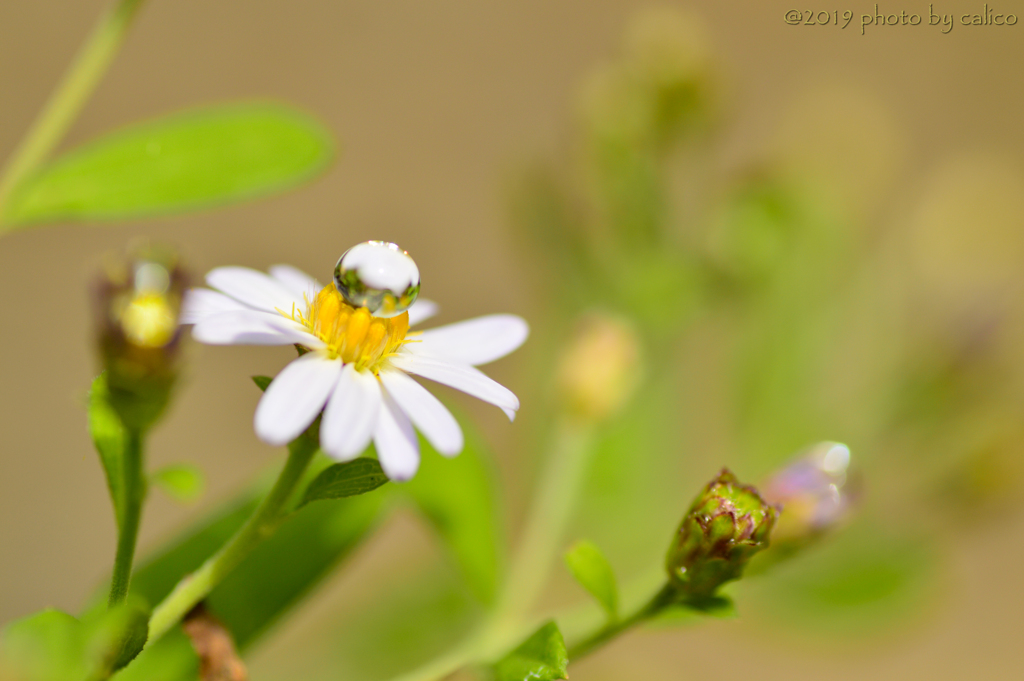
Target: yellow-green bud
<point x="600" y="368"/>
<point x="726" y="525"/>
<point x="137" y="305"/>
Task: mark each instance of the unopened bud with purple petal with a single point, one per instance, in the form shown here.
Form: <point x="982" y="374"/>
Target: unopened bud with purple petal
<point x="726" y="525"/>
<point x="816" y="492"/>
<point x="138" y="300"/>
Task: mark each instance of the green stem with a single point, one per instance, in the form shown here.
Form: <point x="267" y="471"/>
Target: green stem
<point x="263" y="522"/>
<point x="128" y="523"/>
<point x="548" y="517"/>
<point x="658" y="602"/>
<point x="545" y="526"/>
<point x="69" y="97"/>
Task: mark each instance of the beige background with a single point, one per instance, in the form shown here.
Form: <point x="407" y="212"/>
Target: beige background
<point x="435" y="103"/>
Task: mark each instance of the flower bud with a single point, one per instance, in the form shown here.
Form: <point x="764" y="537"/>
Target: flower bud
<point x="815" y="493"/>
<point x="137" y="306"/>
<point x="599" y="370"/>
<point x="726" y="525"/>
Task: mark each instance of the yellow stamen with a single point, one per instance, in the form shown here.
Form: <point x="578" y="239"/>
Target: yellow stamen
<point x="352" y="333"/>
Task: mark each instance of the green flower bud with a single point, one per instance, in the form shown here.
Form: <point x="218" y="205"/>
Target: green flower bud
<point x="137" y="306"/>
<point x="726" y="525"/>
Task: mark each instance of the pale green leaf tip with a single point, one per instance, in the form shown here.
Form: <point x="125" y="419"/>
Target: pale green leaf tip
<point x="593" y="572"/>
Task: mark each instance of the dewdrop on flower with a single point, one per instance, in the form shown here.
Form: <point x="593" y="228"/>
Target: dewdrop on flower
<point x="359" y="355"/>
<point x="379" y="276"/>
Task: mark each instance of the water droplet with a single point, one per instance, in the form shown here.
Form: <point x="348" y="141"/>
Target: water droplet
<point x="379" y="276"/>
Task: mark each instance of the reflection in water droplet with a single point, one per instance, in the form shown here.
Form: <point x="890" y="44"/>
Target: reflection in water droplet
<point x="379" y="276"/>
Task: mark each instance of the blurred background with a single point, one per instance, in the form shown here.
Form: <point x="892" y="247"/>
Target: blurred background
<point x="816" y="234"/>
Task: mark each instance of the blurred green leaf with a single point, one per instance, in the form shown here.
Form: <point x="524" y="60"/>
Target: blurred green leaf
<point x="54" y="646"/>
<point x="396" y="623"/>
<point x="46" y="646"/>
<point x="121" y="634"/>
<point x="214" y="155"/>
<point x="182" y="482"/>
<point x="459" y="497"/>
<point x="172" y="658"/>
<point x="863" y="582"/>
<point x="542" y="657"/>
<point x="345" y="480"/>
<point x="262" y="382"/>
<point x="108" y="436"/>
<point x="594" y="573"/>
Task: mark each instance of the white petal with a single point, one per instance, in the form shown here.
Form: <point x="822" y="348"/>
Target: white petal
<point x="295" y="397"/>
<point x="199" y="303"/>
<point x="421" y="311"/>
<point x="253" y="288"/>
<point x="465" y="378"/>
<point x="252" y="327"/>
<point x="397" y="448"/>
<point x="296" y="281"/>
<point x="425" y="411"/>
<point x="475" y="341"/>
<point x="351" y="414"/>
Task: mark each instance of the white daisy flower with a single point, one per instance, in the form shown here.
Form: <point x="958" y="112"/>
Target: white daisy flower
<point x="361" y="353"/>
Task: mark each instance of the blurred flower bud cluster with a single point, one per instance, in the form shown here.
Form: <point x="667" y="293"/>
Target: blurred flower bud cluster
<point x="138" y="300"/>
<point x="661" y="88"/>
<point x="725" y="527"/>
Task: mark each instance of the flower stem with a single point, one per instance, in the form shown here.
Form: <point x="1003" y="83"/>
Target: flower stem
<point x="263" y="522"/>
<point x="128" y="523"/>
<point x="656" y="604"/>
<point x="69" y="97"/>
<point x="551" y="512"/>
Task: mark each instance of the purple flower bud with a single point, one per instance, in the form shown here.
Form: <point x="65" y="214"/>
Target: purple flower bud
<point x="815" y="493"/>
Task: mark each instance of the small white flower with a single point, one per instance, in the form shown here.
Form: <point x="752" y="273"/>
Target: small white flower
<point x="357" y="368"/>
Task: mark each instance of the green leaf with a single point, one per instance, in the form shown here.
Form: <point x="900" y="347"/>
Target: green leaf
<point x="262" y="382"/>
<point x="172" y="658"/>
<point x="120" y="634"/>
<point x="108" y="436"/>
<point x="459" y="497"/>
<point x="45" y="646"/>
<point x="54" y="646"/>
<point x="345" y="480"/>
<point x="542" y="657"/>
<point x="594" y="573"/>
<point x="182" y="481"/>
<point x="214" y="155"/>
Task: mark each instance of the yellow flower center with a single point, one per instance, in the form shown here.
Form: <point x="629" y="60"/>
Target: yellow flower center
<point x="350" y="333"/>
<point x="149" y="320"/>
